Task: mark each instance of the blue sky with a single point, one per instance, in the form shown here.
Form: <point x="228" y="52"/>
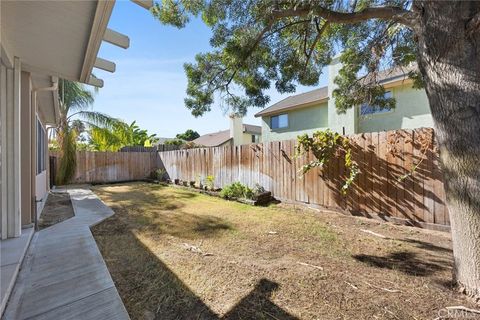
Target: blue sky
<point x="149" y="83"/>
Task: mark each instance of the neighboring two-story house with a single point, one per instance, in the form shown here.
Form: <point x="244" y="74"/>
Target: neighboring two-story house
<point x="315" y="110"/>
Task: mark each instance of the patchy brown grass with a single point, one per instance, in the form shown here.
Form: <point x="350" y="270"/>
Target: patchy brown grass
<point x="275" y="262"/>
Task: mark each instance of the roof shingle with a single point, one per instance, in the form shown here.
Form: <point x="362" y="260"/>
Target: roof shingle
<point x="296" y="101"/>
<point x="213" y="139"/>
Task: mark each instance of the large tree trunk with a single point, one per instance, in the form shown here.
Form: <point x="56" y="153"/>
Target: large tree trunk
<point x="449" y="59"/>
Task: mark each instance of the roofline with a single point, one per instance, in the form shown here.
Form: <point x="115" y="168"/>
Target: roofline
<point x="396" y="81"/>
<point x="216" y="145"/>
<point x="294" y="107"/>
<point x="99" y="25"/>
<point x="387" y="83"/>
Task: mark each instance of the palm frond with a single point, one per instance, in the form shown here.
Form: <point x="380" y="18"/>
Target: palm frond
<point x="99" y="119"/>
<point x="73" y="96"/>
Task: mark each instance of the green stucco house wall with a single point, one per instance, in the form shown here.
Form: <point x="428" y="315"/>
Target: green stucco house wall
<point x="315" y="110"/>
<point x="300" y="121"/>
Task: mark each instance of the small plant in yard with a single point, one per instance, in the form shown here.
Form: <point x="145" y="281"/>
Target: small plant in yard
<point x="258" y="190"/>
<point x="236" y="190"/>
<point x="161" y="175"/>
<point x="210" y="182"/>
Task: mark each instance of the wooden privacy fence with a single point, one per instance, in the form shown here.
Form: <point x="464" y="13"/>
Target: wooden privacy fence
<point x="384" y="188"/>
<point x="157" y="148"/>
<point x="104" y="167"/>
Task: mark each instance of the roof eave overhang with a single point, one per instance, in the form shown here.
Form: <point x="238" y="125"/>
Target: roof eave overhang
<point x="295" y="107"/>
<point x="395" y="82"/>
<point x="56" y="106"/>
<point x="99" y="26"/>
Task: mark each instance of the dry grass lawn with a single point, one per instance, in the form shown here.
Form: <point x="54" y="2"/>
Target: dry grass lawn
<point x="178" y="254"/>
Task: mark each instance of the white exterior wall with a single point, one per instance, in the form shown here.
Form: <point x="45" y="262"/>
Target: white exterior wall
<point x="41" y="189"/>
<point x="19" y="182"/>
<point x="41" y="179"/>
<point x="10" y="117"/>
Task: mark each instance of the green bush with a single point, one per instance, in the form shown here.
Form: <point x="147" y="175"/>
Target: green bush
<point x="210" y="182"/>
<point x="236" y="190"/>
<point x="161" y="175"/>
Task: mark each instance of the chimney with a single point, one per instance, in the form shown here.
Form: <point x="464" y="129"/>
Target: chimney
<point x="345" y="123"/>
<point x="236" y="129"/>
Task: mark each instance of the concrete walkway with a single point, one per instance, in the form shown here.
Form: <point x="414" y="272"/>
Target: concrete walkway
<point x="12" y="253"/>
<point x="64" y="275"/>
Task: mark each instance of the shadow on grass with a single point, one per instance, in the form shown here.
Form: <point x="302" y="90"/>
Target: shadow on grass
<point x="144" y="208"/>
<point x="426" y="245"/>
<point x="404" y="261"/>
<point x="151" y="290"/>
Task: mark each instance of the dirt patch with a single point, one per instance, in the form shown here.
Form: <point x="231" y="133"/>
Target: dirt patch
<point x="58" y="208"/>
<point x="177" y="254"/>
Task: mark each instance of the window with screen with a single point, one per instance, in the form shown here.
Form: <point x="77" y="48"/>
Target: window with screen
<point x="368" y="110"/>
<point x="278" y="122"/>
<point x="41" y="145"/>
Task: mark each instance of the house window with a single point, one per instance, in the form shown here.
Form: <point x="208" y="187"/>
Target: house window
<point x="367" y="109"/>
<point x="255" y="138"/>
<point x="41" y="144"/>
<point x="278" y="122"/>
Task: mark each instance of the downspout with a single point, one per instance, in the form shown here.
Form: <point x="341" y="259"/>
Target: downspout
<point x="53" y="87"/>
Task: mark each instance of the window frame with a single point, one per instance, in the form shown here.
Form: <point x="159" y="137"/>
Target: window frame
<point x="278" y="116"/>
<point x="376" y="112"/>
<point x="41" y="150"/>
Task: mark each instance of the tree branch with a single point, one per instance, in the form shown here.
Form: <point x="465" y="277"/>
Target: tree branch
<point x="397" y="14"/>
<point x="315" y="41"/>
<point x="473" y="24"/>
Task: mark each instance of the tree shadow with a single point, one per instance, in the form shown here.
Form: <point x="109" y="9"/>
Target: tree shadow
<point x="257" y="304"/>
<point x="151" y="290"/>
<point x="173" y="221"/>
<point x="426" y="245"/>
<point x="404" y="261"/>
<point x="162" y="213"/>
<point x="386" y="187"/>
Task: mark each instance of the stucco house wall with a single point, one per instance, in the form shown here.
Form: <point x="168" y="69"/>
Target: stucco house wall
<point x="412" y="111"/>
<point x="344" y="123"/>
<point x="300" y="121"/>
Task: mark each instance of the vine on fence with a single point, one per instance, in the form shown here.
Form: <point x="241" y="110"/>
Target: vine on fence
<point x="324" y="145"/>
<point x="423" y="140"/>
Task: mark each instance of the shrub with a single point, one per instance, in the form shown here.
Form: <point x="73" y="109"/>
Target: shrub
<point x="258" y="189"/>
<point x="210" y="182"/>
<point x="161" y="175"/>
<point x="236" y="190"/>
<point x="174" y="142"/>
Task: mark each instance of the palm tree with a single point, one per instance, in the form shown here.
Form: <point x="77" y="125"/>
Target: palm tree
<point x="75" y="102"/>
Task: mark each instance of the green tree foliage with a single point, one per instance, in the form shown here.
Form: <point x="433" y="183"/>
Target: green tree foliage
<point x="188" y="135"/>
<point x="174" y="142"/>
<point x="257" y="44"/>
<point x="75" y="115"/>
<point x="119" y="135"/>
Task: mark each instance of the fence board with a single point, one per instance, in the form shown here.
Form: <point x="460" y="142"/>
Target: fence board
<point x="105" y="167"/>
<point x="382" y="157"/>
